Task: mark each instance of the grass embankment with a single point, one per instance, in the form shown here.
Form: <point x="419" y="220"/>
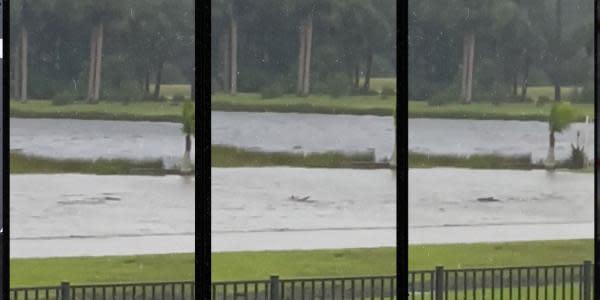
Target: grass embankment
<point x="291" y="264"/>
<point x="27" y="164"/>
<point x="488" y="111"/>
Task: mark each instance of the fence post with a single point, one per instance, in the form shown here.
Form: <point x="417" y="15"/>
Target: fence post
<point x="274" y="287"/>
<point x="587" y="280"/>
<point x="439" y="283"/>
<point x="65" y="290"/>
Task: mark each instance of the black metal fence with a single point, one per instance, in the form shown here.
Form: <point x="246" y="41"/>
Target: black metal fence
<point x="559" y="282"/>
<point x="563" y="282"/>
<point x="164" y="291"/>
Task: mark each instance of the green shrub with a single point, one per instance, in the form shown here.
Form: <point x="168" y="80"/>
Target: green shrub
<point x="65" y="97"/>
<point x="578" y="158"/>
<point x="126" y="93"/>
<point x="274" y="90"/>
<point x="338" y="85"/>
<point x="542" y="100"/>
<point x="387" y="91"/>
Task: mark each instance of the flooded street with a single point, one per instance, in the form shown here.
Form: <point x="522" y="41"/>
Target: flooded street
<point x="252" y="210"/>
<point x="123" y="214"/>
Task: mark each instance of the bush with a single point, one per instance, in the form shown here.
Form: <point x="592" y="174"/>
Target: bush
<point x="578" y="158"/>
<point x="65" y="97"/>
<point x="178" y="98"/>
<point x="338" y="85"/>
<point x="274" y="90"/>
<point x="387" y="91"/>
<point x="542" y="100"/>
<point x="583" y="95"/>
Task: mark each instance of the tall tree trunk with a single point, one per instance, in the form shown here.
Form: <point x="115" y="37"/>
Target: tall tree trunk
<point x="465" y="67"/>
<point x="515" y="85"/>
<point x="158" y="82"/>
<point x="309" y="32"/>
<point x="469" y="95"/>
<point x="23" y="57"/>
<point x="193" y="89"/>
<point x="524" y="83"/>
<point x="356" y="76"/>
<point x="301" y="58"/>
<point x="147" y="83"/>
<point x="186" y="163"/>
<point x="98" y="69"/>
<point x="233" y="51"/>
<point x="550" y="161"/>
<point x="92" y="71"/>
<point x="367" y="83"/>
<point x="226" y="57"/>
<point x="16" y="75"/>
<point x="557" y="91"/>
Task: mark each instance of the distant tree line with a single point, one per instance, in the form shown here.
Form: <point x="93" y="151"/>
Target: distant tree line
<point x="301" y="46"/>
<point x="493" y="50"/>
<point x="100" y="49"/>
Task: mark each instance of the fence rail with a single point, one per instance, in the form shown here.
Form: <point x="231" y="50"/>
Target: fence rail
<point x="559" y="282"/>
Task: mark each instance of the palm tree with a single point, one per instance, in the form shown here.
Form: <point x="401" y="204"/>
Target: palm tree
<point x="189" y="128"/>
<point x="561" y="116"/>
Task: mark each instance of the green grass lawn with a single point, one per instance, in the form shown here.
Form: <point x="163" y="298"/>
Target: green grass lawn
<point x="109" y="269"/>
<point x="170" y="90"/>
<point x="292" y="264"/>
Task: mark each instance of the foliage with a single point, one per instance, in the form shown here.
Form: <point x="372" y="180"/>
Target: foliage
<point x="562" y="115"/>
<point x="542" y="100"/>
<point x="188" y="118"/>
<point x="448" y="95"/>
<point x="178" y="98"/>
<point x="578" y="159"/>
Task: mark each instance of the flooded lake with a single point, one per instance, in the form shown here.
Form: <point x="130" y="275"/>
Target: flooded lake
<point x="89" y="139"/>
<point x="288" y="132"/>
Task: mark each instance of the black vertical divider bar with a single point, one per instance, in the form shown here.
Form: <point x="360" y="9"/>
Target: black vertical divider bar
<point x="4" y="263"/>
<point x="202" y="170"/>
<point x="402" y="149"/>
<point x="596" y="199"/>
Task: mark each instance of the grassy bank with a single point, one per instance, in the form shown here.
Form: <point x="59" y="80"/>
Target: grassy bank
<point x="227" y="156"/>
<point x="109" y="269"/>
<point x="475" y="161"/>
<point x="488" y="111"/>
<point x="26" y="164"/>
<point x="136" y="111"/>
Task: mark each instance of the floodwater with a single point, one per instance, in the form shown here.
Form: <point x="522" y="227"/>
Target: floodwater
<point x="531" y="205"/>
<point x="290" y="132"/>
<point x="444" y="136"/>
<point x="74" y="215"/>
<point x="91" y="139"/>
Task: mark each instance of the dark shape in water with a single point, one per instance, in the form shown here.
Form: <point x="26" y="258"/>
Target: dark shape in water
<point x="299" y="199"/>
<point x="488" y="199"/>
